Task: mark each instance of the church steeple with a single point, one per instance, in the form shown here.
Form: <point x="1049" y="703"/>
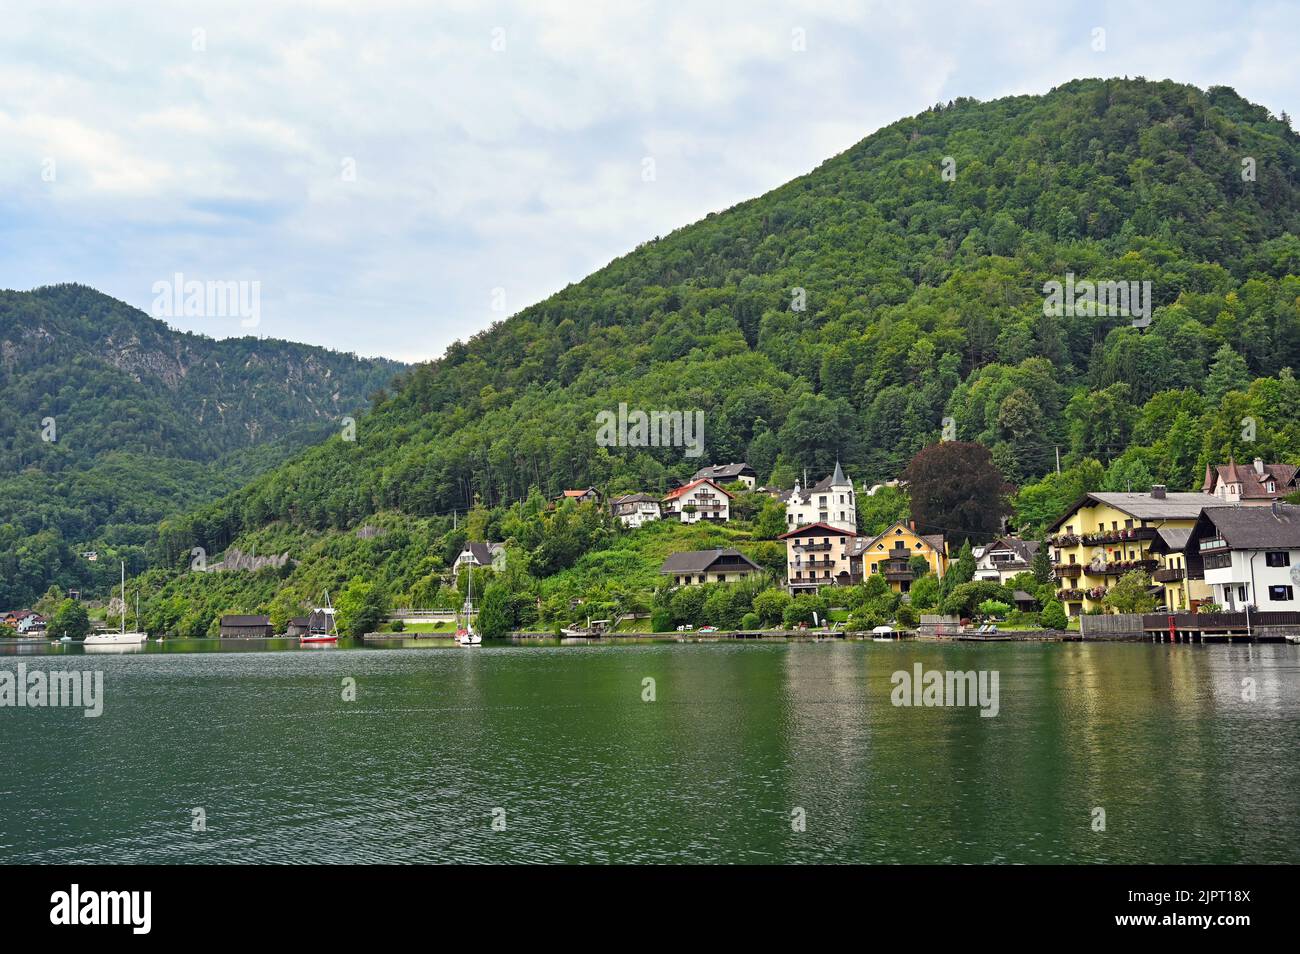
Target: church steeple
<point x="838" y="478"/>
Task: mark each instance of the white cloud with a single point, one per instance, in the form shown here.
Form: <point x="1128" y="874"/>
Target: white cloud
<point x="478" y="168"/>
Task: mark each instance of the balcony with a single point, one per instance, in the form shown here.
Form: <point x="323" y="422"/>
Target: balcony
<point x="1169" y="575"/>
<point x="1120" y="567"/>
<point x="815" y="547"/>
<point x="1067" y="571"/>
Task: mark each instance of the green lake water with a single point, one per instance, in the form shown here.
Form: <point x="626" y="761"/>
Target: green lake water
<point x="559" y="747"/>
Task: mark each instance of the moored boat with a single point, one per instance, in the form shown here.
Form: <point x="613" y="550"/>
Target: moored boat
<point x="122" y="637"/>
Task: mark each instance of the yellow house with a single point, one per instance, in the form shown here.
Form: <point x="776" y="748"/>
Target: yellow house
<point x="891" y="552"/>
<point x="1181" y="572"/>
<point x="1105" y="535"/>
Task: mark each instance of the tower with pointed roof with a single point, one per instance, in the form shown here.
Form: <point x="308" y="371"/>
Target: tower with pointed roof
<point x="831" y="501"/>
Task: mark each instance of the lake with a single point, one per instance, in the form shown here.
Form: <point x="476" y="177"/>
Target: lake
<point x="552" y="754"/>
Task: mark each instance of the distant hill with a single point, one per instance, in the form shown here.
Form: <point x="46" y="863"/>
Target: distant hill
<point x="146" y="421"/>
<point x="847" y="314"/>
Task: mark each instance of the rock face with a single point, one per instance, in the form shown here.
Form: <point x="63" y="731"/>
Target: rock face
<point x="236" y="559"/>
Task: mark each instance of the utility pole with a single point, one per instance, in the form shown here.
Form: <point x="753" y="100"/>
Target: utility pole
<point x="1058" y="458"/>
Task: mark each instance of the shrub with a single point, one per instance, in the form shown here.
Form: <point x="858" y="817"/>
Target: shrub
<point x="1053" y="616"/>
<point x="751" y="621"/>
<point x="661" y="621"/>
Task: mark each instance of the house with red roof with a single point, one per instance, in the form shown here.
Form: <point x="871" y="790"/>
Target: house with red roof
<point x="696" y="501"/>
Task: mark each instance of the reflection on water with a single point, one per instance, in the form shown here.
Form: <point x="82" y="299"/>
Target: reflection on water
<point x="1188" y="765"/>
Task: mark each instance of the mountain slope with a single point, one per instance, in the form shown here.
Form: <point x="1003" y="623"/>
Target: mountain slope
<point x="924" y="300"/>
<point x="111" y="420"/>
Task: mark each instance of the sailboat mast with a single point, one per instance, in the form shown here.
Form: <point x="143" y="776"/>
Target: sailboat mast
<point x="124" y="597"/>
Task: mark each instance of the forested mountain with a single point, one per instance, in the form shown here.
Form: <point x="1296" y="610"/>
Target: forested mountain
<point x="110" y="420"/>
<point x="846" y="314"/>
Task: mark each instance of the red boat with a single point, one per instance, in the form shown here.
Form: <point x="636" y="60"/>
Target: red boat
<point x="321" y="628"/>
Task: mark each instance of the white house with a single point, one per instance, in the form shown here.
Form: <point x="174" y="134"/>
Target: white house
<point x="1004" y="558"/>
<point x="698" y="500"/>
<point x="481" y="554"/>
<point x="633" y="510"/>
<point x="1251" y="555"/>
<point x="830" y="501"/>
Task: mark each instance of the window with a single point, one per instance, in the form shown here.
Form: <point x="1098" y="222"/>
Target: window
<point x="1280" y="594"/>
<point x="1241" y="593"/>
<point x="1277" y="558"/>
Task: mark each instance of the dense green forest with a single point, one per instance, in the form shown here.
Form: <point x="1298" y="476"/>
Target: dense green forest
<point x="110" y="421"/>
<point x="845" y="314"/>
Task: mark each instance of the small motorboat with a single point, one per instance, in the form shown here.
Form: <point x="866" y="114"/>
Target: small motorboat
<point x="1294" y="638"/>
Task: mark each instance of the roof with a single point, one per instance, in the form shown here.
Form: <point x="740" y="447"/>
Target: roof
<point x="298" y="621"/>
<point x="481" y="552"/>
<point x="1254" y="528"/>
<point x="935" y="540"/>
<point x="245" y="621"/>
<point x="698" y="561"/>
<point x="1170" y="539"/>
<point x="817" y="528"/>
<point x="571" y="494"/>
<point x="1023" y="549"/>
<point x="636" y="498"/>
<point x="836" y="479"/>
<point x="725" y="471"/>
<point x="673" y="495"/>
<point x="1251" y="480"/>
<point x="1143" y="506"/>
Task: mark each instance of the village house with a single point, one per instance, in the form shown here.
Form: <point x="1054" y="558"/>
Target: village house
<point x="30" y="624"/>
<point x="890" y="553"/>
<point x="590" y="495"/>
<point x="1002" y="559"/>
<point x="1180" y="575"/>
<point x="1102" y="536"/>
<point x="728" y="474"/>
<point x="245" y="627"/>
<point x="1251" y="555"/>
<point x="480" y="554"/>
<point x="1254" y="485"/>
<point x="816" y="556"/>
<point x="722" y="565"/>
<point x="698" y="500"/>
<point x="633" y="510"/>
<point x="830" y="501"/>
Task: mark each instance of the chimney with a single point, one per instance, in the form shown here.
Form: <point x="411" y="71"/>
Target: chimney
<point x="1259" y="467"/>
<point x="1277" y="507"/>
<point x="1158" y="491"/>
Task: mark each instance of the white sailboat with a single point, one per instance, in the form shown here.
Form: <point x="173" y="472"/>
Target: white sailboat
<point x="466" y="635"/>
<point x="121" y="638"/>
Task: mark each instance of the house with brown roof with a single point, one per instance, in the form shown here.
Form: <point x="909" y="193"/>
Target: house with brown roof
<point x="817" y="556"/>
<point x="890" y="554"/>
<point x="729" y="474"/>
<point x="699" y="500"/>
<point x="590" y="495"/>
<point x="1255" y="484"/>
<point x="245" y="627"/>
<point x="695" y="567"/>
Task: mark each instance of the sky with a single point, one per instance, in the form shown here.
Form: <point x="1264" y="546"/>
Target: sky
<point x="388" y="177"/>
